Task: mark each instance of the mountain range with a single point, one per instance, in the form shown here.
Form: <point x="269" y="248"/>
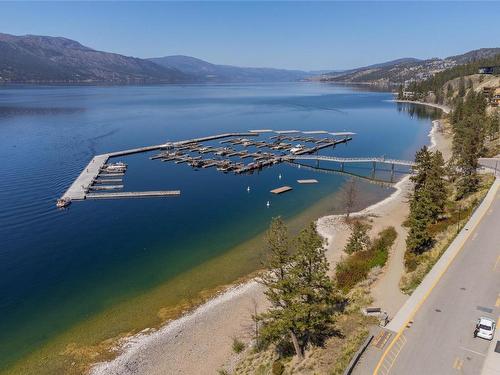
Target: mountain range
<point x="42" y="59"/>
<point x="45" y="59"/>
<point x="207" y="72"/>
<point x="406" y="70"/>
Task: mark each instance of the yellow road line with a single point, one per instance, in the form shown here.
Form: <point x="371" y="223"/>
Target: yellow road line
<point x="497" y="304"/>
<point x="393" y="355"/>
<point x="458" y="363"/>
<point x="420" y="303"/>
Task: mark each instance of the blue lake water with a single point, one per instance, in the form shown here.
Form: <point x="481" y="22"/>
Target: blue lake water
<point x="59" y="268"/>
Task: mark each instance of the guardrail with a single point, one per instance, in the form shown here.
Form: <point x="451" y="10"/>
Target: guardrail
<point x="354" y="361"/>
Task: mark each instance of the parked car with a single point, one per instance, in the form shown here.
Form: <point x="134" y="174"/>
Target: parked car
<point x="485" y="328"/>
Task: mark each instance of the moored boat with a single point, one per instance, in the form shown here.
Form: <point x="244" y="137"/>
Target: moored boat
<point x="63" y="202"/>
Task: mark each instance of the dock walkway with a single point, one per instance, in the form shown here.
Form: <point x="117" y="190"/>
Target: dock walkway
<point x="134" y="194"/>
<point x="352" y="160"/>
<point x="79" y="187"/>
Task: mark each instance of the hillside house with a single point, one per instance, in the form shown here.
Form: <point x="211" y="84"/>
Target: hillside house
<point x="408" y="95"/>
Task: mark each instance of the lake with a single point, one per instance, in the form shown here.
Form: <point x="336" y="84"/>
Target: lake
<point x="70" y="279"/>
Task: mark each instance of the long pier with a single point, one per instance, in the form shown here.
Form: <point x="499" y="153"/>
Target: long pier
<point x="406" y="163"/>
<point x="133" y="194"/>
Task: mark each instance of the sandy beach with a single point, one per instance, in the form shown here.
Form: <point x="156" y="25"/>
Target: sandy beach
<point x="200" y="342"/>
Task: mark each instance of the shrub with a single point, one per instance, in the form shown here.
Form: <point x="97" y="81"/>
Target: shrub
<point x="356" y="267"/>
<point x="238" y="346"/>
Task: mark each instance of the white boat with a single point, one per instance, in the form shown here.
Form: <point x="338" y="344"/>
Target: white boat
<point x="63" y="202"/>
<point x="115" y="167"/>
<point x="297" y="148"/>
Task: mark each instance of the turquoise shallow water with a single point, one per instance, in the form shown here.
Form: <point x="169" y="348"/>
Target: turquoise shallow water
<point x="58" y="268"/>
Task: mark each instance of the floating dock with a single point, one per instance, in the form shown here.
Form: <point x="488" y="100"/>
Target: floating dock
<point x="78" y="188"/>
<point x="281" y="190"/>
<point x="108" y="181"/>
<point x="309" y="181"/>
<point x="132" y="194"/>
<point x="106" y="187"/>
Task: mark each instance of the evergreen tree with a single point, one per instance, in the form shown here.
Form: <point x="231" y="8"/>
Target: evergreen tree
<point x="302" y="301"/>
<point x="422" y="168"/>
<point x="277" y="280"/>
<point x="436" y="185"/>
<point x="493" y="125"/>
<point x="400" y="92"/>
<point x="419" y="238"/>
<point x="468" y="144"/>
<point x="428" y="200"/>
<point x="461" y="87"/>
<point x="314" y="306"/>
<point x="278" y="250"/>
<point x="359" y="239"/>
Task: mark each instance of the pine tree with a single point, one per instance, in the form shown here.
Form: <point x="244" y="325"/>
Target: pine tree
<point x="314" y="306"/>
<point x="277" y="280"/>
<point x="302" y="301"/>
<point x="422" y="168"/>
<point x="493" y="125"/>
<point x="436" y="185"/>
<point x="419" y="238"/>
<point x="461" y="87"/>
<point x="428" y="200"/>
<point x="359" y="239"/>
<point x="468" y="144"/>
<point x="400" y="92"/>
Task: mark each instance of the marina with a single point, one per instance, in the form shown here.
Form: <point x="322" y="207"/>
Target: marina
<point x="99" y="172"/>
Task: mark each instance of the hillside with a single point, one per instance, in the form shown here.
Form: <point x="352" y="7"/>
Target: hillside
<point x="207" y="72"/>
<point x="407" y="70"/>
<point x="41" y="59"/>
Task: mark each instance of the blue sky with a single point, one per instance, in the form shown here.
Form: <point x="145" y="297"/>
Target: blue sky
<point x="323" y="35"/>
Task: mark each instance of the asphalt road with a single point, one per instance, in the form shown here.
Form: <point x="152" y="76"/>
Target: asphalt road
<point x="440" y="340"/>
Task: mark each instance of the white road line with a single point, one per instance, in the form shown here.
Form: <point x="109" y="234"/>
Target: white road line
<point x="473" y="351"/>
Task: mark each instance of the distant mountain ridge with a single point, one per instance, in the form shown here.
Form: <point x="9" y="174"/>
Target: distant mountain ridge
<point x="208" y="72"/>
<point x="43" y="59"/>
<point x="407" y="69"/>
